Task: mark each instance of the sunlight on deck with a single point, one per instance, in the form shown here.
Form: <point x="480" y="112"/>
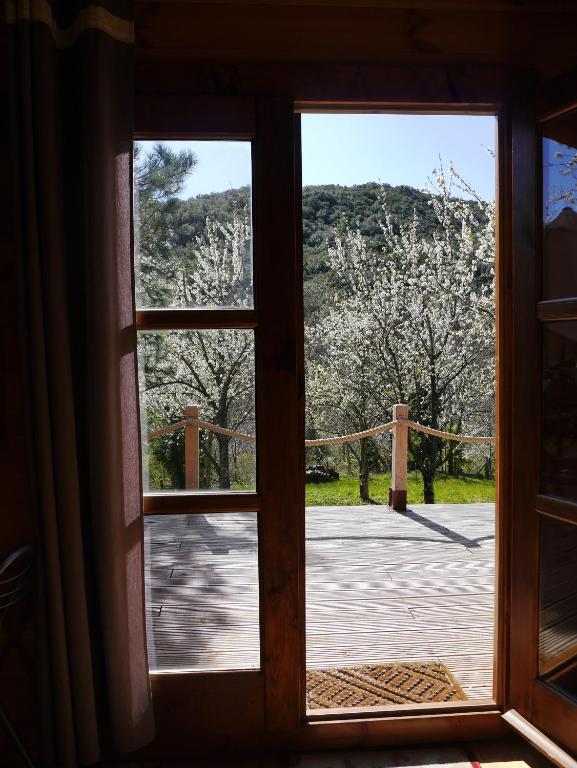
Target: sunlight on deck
<point x="381" y="587"/>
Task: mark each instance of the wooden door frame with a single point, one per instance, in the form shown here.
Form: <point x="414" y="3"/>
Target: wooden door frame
<point x="547" y="708"/>
<point x="272" y="714"/>
<point x="241" y="707"/>
<point x="524" y="399"/>
<point x="280" y="417"/>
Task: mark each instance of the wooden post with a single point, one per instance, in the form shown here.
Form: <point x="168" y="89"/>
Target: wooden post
<point x="398" y="490"/>
<point x="191" y="448"/>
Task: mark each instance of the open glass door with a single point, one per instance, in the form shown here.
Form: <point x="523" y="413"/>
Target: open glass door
<point x="544" y="593"/>
<point x="399" y="314"/>
<point x="220" y="382"/>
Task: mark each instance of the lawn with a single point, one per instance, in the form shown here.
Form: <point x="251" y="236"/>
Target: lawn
<point x="448" y="490"/>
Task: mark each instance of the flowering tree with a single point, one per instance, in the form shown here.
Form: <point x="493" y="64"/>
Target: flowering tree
<point x="343" y="384"/>
<point x="213" y="369"/>
<point x="415" y="320"/>
<point x="180" y="266"/>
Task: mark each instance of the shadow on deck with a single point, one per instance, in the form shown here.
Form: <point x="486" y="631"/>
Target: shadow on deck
<point x="381" y="587"/>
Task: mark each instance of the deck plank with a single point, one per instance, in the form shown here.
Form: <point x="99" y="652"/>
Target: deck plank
<point x="381" y="587"/>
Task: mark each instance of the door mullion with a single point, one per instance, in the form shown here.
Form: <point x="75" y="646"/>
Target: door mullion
<point x="524" y="404"/>
<point x="280" y="414"/>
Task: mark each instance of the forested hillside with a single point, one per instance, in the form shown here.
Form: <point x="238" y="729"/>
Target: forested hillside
<point x="324" y="207"/>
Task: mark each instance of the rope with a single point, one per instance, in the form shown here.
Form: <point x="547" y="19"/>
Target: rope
<point x="167" y="430"/>
<point x="204" y="425"/>
<point x="449" y="435"/>
<point x="223" y="431"/>
<point x="354" y="436"/>
<point x="338" y="440"/>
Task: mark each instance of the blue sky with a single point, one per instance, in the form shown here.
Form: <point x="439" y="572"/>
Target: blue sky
<point x="354" y="149"/>
<point x="397" y="149"/>
<point x="556" y="182"/>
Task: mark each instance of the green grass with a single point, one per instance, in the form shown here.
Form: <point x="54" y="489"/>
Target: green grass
<point x="448" y="490"/>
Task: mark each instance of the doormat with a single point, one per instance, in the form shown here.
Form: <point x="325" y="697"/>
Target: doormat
<point x="371" y="685"/>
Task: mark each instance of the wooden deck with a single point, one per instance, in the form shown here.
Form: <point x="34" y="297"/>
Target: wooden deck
<point x="381" y="586"/>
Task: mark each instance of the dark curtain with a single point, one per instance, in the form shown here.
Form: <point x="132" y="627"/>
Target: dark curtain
<point x="73" y="91"/>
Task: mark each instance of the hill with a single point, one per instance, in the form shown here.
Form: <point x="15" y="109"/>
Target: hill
<point x="323" y="208"/>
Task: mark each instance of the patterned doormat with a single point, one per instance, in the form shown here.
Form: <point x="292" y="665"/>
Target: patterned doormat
<point x="371" y="685"/>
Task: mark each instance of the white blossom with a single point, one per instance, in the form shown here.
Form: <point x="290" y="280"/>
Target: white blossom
<point x="413" y="321"/>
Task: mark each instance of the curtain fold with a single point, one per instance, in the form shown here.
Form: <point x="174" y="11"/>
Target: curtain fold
<point x="72" y="68"/>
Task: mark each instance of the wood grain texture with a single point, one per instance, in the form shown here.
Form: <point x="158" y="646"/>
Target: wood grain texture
<point x="279" y="370"/>
<point x="380" y="587"/>
<point x="177" y="116"/>
<point x="213" y="713"/>
<point x="191" y="448"/>
<point x="557" y="309"/>
<point x="380" y="86"/>
<point x="557" y="598"/>
<point x="503" y="402"/>
<point x="539" y="741"/>
<point x="557" y="95"/>
<point x="524" y="401"/>
<point x="417" y="729"/>
<point x="169" y="319"/>
<point x="519" y="36"/>
<point x="537" y="581"/>
<point x="553" y="506"/>
<point x="400" y="449"/>
<point x="454" y="5"/>
<point x="200" y="502"/>
<point x="554" y="714"/>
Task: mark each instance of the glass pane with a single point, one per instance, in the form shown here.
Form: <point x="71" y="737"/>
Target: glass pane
<point x="560" y="207"/>
<point x="201" y="574"/>
<point x="558" y="604"/>
<point x="192" y="218"/>
<point x="190" y="375"/>
<point x="559" y="421"/>
<point x="398" y="287"/>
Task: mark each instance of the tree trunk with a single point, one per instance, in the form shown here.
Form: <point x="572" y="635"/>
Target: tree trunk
<point x="431" y="446"/>
<point x="429" y="462"/>
<point x="223" y="461"/>
<point x="454" y="457"/>
<point x="364" y="470"/>
<point x="428" y="486"/>
<point x="451" y="468"/>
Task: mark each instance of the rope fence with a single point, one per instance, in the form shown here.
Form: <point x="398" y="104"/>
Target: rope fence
<point x="399" y="426"/>
<point x="341" y="439"/>
<point x="450" y="435"/>
<point x="337" y="440"/>
<point x="203" y="425"/>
